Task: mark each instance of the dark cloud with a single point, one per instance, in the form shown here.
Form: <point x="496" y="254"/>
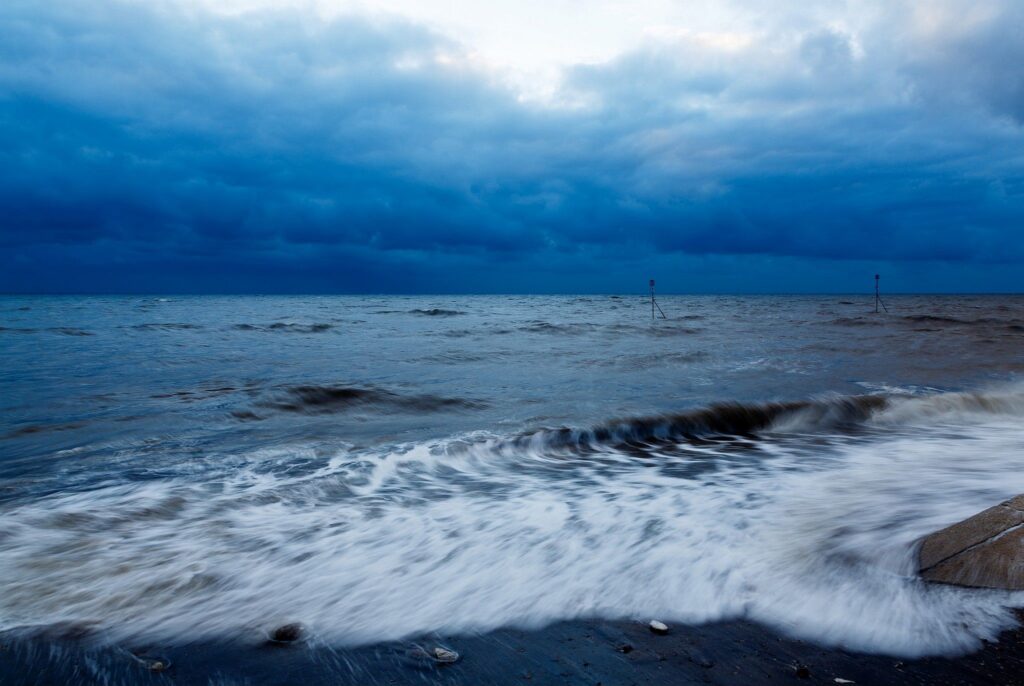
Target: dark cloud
<point x="143" y="148"/>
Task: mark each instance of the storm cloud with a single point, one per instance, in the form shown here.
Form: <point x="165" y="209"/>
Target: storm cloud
<point x="165" y="147"/>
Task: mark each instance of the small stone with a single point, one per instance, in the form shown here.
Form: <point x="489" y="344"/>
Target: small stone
<point x="840" y="680"/>
<point x="625" y="648"/>
<point x="288" y="633"/>
<point x="157" y="666"/>
<point x="445" y="655"/>
<point x="802" y="672"/>
<point x="657" y="627"/>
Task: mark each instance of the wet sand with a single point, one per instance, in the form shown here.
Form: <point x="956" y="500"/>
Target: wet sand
<point x="580" y="652"/>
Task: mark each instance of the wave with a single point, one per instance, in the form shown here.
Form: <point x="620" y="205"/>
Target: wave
<point x="320" y="399"/>
<point x="43" y="428"/>
<point x="835" y="414"/>
<point x="199" y="394"/>
<point x="574" y="328"/>
<point x="940" y="321"/>
<point x="436" y="312"/>
<point x="816" y="537"/>
<point x="719" y="420"/>
<point x="63" y="330"/>
<point x="957" y="321"/>
<point x="300" y="328"/>
<point x="70" y="331"/>
<point x="937" y="319"/>
<point x="857" y="321"/>
<point x="657" y="329"/>
<point x="312" y="399"/>
<point x="646" y="361"/>
<point x="166" y="326"/>
<point x="287" y="327"/>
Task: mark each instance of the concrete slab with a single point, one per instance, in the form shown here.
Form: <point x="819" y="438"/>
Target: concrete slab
<point x="986" y="550"/>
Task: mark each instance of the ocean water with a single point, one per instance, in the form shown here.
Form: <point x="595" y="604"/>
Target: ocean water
<point x="173" y="468"/>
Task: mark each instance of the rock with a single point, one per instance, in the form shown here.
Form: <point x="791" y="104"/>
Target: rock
<point x="437" y="655"/>
<point x="986" y="550"/>
<point x="802" y="672"/>
<point x="625" y="648"/>
<point x="150" y="662"/>
<point x="288" y="633"/>
<point x="840" y="680"/>
<point x="445" y="655"/>
<point x="657" y="627"/>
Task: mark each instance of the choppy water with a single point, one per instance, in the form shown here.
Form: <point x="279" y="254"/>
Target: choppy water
<point x="377" y="467"/>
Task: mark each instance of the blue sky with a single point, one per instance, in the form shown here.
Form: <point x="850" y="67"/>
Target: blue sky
<point x="558" y="146"/>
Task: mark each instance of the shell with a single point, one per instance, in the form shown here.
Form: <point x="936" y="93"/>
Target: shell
<point x="658" y="627"/>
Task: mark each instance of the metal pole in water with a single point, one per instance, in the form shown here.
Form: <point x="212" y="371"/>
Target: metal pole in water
<point x="652" y="299"/>
<point x="654" y="303"/>
<point x="878" y="297"/>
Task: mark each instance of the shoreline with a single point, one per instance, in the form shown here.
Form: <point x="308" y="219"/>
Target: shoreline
<point x="591" y="652"/>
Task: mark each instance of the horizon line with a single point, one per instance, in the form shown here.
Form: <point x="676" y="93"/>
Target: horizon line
<point x="868" y="294"/>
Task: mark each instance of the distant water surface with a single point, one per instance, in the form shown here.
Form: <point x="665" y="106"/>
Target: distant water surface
<point x="375" y="467"/>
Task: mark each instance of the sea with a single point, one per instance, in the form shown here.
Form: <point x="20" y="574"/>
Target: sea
<point x="190" y="468"/>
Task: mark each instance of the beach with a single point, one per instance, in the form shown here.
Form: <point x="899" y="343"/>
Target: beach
<point x="582" y="652"/>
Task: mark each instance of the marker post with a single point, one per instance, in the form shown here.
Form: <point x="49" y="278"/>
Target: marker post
<point x="654" y="303"/>
<point x="878" y="298"/>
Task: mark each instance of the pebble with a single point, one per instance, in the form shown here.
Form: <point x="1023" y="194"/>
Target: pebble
<point x="802" y="672"/>
<point x="150" y="662"/>
<point x="625" y="648"/>
<point x="657" y="627"/>
<point x="445" y="655"/>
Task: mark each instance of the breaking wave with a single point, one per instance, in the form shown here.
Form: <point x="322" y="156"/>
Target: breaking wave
<point x="808" y="523"/>
<point x="834" y="414"/>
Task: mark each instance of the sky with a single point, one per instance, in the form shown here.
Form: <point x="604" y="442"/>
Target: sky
<point x="511" y="146"/>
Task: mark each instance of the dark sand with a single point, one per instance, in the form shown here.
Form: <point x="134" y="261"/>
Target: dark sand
<point x="580" y="652"/>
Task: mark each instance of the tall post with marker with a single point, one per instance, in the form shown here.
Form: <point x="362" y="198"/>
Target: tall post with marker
<point x="652" y="299"/>
<point x="654" y="303"/>
<point x="878" y="297"/>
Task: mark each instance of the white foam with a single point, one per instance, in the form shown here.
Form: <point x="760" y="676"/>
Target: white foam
<point x="814" y="538"/>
